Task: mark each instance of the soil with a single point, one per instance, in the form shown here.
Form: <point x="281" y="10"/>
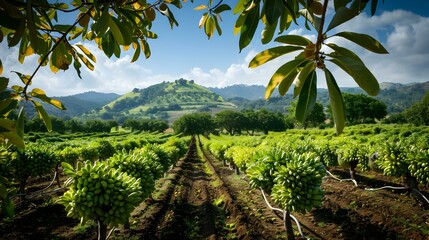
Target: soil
<point x="199" y="198"/>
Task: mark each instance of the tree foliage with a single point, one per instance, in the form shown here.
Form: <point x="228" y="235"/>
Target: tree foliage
<point x="194" y="124"/>
<point x="418" y="114"/>
<point x="361" y="108"/>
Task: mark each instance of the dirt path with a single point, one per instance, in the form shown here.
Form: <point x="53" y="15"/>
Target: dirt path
<point x="192" y="202"/>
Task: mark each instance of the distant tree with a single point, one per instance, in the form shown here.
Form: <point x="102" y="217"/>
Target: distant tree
<point x="230" y="120"/>
<point x="74" y="125"/>
<point x="359" y="107"/>
<point x="194" y="124"/>
<point x="418" y="114"/>
<point x="250" y="123"/>
<point x="398" y="118"/>
<point x="270" y="121"/>
<point x="97" y="126"/>
<point x="133" y="124"/>
<point x="315" y="117"/>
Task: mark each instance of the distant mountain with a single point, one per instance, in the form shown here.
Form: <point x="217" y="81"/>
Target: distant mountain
<point x="167" y="100"/>
<point x="396" y="96"/>
<point x="76" y="104"/>
<point x="250" y="92"/>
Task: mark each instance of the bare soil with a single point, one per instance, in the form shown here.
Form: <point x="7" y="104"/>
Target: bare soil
<point x="201" y="199"/>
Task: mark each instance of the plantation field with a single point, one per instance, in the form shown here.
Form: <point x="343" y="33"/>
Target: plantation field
<point x="201" y="196"/>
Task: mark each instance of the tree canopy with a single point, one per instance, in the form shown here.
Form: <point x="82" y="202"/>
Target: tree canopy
<point x="194" y="124"/>
<point x="361" y="108"/>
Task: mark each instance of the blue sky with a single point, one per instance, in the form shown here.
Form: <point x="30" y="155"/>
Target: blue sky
<point x="185" y="52"/>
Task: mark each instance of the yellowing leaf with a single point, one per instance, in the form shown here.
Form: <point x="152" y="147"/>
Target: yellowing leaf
<point x="201" y="7"/>
<point x="281" y="74"/>
<point x="209" y="27"/>
<point x="87" y="52"/>
<point x="203" y="20"/>
<point x="271" y="53"/>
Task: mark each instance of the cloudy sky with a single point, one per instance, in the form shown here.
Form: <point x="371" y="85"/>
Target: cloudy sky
<point x="185" y="52"/>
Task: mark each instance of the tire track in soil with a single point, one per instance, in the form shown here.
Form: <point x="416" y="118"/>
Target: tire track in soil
<point x="182" y="206"/>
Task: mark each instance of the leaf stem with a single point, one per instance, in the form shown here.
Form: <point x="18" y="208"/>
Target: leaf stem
<point x="320" y="35"/>
<point x="45" y="57"/>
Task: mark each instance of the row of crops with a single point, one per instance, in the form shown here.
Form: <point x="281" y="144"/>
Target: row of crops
<point x="108" y="177"/>
<point x="290" y="166"/>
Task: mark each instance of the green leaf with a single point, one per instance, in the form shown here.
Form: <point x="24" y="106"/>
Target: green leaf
<point x="222" y="8"/>
<point x="342" y="51"/>
<point x="342" y="15"/>
<point x="303" y="76"/>
<point x="146" y="49"/>
<point x="268" y="32"/>
<point x="3" y="83"/>
<point x="20" y="122"/>
<point x="271" y="53"/>
<point x="307" y="97"/>
<point x="40" y="94"/>
<point x="8" y="124"/>
<point x="24" y="78"/>
<point x="340" y="3"/>
<point x="67" y="166"/>
<point x="373" y="6"/>
<point x="218" y="29"/>
<point x="43" y="115"/>
<point x="107" y="44"/>
<point x="240" y="6"/>
<point x="364" y="41"/>
<point x="359" y="72"/>
<point x="249" y="27"/>
<point x="282" y="74"/>
<point x="14" y="139"/>
<point x="209" y="26"/>
<point x="137" y="51"/>
<point x="287" y="82"/>
<point x="337" y="102"/>
<point x="8" y="207"/>
<point x="3" y="191"/>
<point x="285" y="20"/>
<point x="102" y="23"/>
<point x="273" y="10"/>
<point x="117" y="30"/>
<point x="294" y="40"/>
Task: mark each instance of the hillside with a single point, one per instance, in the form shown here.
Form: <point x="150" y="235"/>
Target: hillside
<point x="396" y="96"/>
<point x="167" y="100"/>
<point x="76" y="104"/>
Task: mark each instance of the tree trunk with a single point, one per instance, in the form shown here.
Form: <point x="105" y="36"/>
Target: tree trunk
<point x="102" y="231"/>
<point x="411" y="182"/>
<point x="288" y="224"/>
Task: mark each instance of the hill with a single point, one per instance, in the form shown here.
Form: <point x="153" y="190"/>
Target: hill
<point x="396" y="96"/>
<point x="167" y="100"/>
<point x="76" y="104"/>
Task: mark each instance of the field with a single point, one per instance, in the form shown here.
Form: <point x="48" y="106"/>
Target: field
<point x="202" y="198"/>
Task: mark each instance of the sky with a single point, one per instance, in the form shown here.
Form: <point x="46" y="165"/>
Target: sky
<point x="185" y="52"/>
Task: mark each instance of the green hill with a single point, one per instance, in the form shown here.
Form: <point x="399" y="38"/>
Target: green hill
<point x="167" y="100"/>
